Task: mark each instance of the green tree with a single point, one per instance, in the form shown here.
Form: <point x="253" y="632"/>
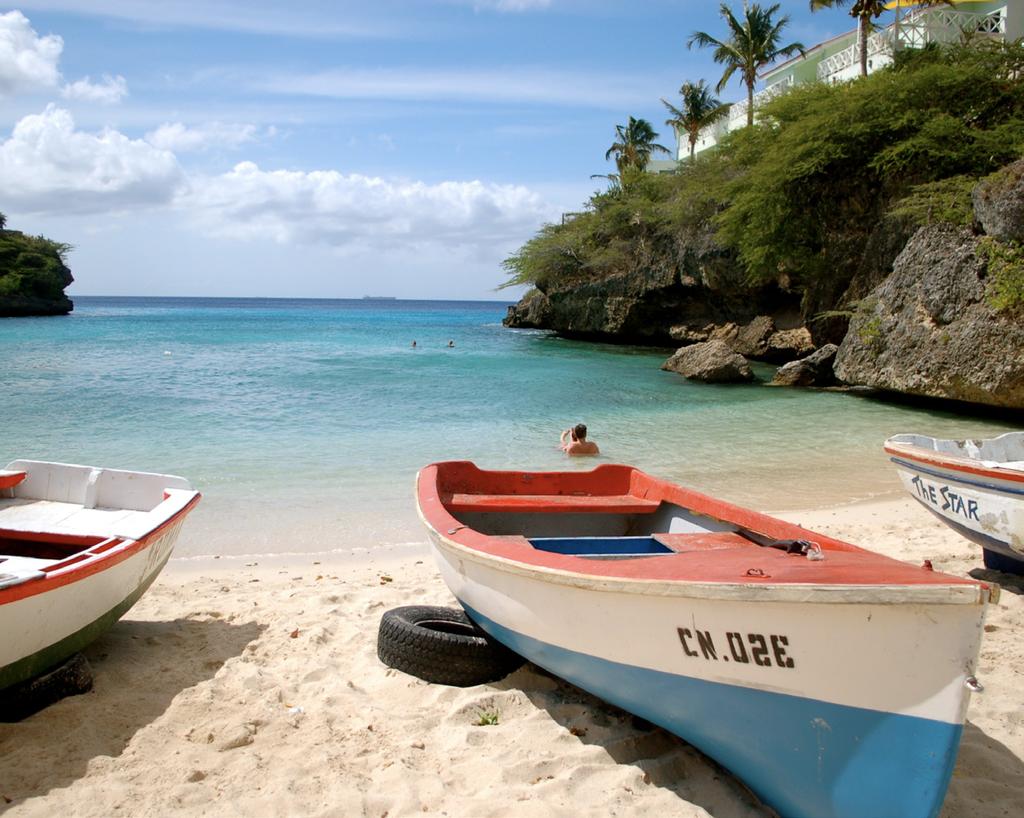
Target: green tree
<point x="864" y="11"/>
<point x="700" y="109"/>
<point x="3" y="221"/>
<point x="753" y="43"/>
<point x="633" y="147"/>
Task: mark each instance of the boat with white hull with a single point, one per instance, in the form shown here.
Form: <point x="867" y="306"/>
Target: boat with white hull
<point x="78" y="546"/>
<point x="832" y="680"/>
<point x="974" y="486"/>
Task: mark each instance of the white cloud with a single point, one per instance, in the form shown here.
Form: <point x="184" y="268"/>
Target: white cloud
<point x="108" y="91"/>
<point x="180" y="138"/>
<point x="518" y="84"/>
<point x="27" y="61"/>
<point x="49" y="166"/>
<point x="356" y="212"/>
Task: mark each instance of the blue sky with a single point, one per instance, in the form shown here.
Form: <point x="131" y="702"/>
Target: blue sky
<point x="327" y="149"/>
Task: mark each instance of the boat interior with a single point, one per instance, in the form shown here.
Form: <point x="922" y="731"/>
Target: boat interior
<point x="611" y="512"/>
<point x="31" y="555"/>
<point x="55" y="516"/>
<point x="1005" y="451"/>
<point x="658" y="528"/>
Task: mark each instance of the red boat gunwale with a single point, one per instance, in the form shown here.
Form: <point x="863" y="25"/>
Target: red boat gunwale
<point x="9" y="479"/>
<point x="456" y="486"/>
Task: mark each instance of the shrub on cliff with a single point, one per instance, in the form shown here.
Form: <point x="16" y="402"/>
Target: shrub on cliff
<point x="947" y="201"/>
<point x="623" y="229"/>
<point x="830" y="159"/>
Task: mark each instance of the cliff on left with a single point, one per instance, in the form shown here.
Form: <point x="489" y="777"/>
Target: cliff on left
<point x="33" y="275"/>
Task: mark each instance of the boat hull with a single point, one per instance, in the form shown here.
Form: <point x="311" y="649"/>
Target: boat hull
<point x="822" y="709"/>
<point x="981" y="505"/>
<point x="43" y="629"/>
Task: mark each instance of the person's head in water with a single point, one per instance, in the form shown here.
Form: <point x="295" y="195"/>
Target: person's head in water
<point x="574" y="441"/>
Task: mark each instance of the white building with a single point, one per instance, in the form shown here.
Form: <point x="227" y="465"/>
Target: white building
<point x="838" y="59"/>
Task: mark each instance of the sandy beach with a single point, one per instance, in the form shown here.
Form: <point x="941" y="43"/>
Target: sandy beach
<point x="253" y="688"/>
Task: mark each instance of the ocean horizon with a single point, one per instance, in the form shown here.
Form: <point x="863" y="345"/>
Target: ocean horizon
<point x="304" y="421"/>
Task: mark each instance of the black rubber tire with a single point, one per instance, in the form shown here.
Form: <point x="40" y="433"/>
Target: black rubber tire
<point x="442" y="645"/>
<point x="71" y="678"/>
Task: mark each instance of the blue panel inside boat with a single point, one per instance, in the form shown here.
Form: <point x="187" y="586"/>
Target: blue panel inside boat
<point x="600" y="546"/>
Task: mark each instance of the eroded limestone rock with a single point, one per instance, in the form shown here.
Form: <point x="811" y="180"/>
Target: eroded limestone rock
<point x="929" y="330"/>
<point x="710" y="362"/>
<point x="813" y="370"/>
<point x="999" y="203"/>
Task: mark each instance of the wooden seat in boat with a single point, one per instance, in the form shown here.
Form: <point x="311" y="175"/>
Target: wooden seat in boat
<point x="554" y="503"/>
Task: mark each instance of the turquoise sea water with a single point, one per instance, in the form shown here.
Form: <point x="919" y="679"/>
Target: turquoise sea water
<point x="304" y="422"/>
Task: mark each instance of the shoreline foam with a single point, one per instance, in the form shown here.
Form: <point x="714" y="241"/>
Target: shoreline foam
<point x="254" y="689"/>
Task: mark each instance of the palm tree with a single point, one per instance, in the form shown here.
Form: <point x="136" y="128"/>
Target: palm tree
<point x="752" y="44"/>
<point x="634" y="145"/>
<point x="865" y="11"/>
<point x="699" y="110"/>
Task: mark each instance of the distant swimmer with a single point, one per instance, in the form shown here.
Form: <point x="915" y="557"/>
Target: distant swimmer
<point x="451" y="344"/>
<point x="414" y="345"/>
<point x="574" y="441"/>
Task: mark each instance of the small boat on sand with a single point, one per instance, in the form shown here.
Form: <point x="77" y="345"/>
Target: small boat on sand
<point x="976" y="487"/>
<point x="832" y="680"/>
<point x="78" y="547"/>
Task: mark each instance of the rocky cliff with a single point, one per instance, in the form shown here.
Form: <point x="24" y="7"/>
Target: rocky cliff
<point x="660" y="309"/>
<point x="930" y="328"/>
<point x="940" y="309"/>
<point x="689" y="294"/>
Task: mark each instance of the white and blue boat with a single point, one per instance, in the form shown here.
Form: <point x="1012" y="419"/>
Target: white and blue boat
<point x="832" y="680"/>
<point x="976" y="487"/>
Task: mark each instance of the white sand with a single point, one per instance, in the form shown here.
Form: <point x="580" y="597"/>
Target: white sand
<point x="255" y="690"/>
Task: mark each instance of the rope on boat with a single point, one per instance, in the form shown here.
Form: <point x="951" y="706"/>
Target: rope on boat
<point x="804" y="548"/>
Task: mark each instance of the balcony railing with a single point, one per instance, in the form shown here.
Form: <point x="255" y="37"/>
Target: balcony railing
<point x="738" y="111"/>
<point x="937" y="25"/>
<point x="934" y="25"/>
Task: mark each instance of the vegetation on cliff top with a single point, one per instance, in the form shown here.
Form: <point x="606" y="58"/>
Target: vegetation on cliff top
<point x="796" y="196"/>
<point x="32" y="266"/>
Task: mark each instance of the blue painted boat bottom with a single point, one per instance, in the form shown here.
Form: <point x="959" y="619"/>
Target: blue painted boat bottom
<point x="803" y="757"/>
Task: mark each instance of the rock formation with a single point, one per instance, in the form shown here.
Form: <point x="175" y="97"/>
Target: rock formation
<point x="814" y="370"/>
<point x="682" y="294"/>
<point x="657" y="307"/>
<point x="929" y="330"/>
<point x="711" y="362"/>
<point x="999" y="203"/>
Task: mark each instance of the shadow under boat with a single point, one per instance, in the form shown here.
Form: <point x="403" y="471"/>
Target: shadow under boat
<point x="138" y="669"/>
<point x="665" y="760"/>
